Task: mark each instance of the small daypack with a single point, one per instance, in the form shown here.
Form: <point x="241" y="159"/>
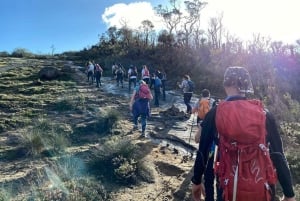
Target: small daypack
<point x="191" y="85"/>
<point x="144" y="92"/>
<point x="245" y="169"/>
<point x="157" y="82"/>
<point x="204" y="107"/>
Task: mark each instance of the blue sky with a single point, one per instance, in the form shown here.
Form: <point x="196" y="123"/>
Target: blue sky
<point x="36" y="25"/>
<point x="71" y="25"/>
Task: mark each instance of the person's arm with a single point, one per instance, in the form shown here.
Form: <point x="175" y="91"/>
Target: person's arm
<point x="278" y="158"/>
<point x="132" y="99"/>
<point x="206" y="139"/>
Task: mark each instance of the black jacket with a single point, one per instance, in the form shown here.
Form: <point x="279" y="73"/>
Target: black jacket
<point x="209" y="133"/>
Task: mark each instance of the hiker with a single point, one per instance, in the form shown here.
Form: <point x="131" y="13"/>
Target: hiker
<point x="90" y="72"/>
<point x="120" y="76"/>
<point x="132" y="76"/>
<point x="98" y="74"/>
<point x="146" y="74"/>
<point x="187" y="88"/>
<point x="244" y="130"/>
<point x="139" y="105"/>
<point x="157" y="86"/>
<point x="202" y="107"/>
<point x="113" y="70"/>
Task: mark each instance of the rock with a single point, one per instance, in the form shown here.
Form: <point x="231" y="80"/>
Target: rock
<point x="49" y="73"/>
<point x="67" y="69"/>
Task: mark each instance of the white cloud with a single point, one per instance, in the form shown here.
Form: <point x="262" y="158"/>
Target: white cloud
<point x="276" y="19"/>
<point x="132" y="14"/>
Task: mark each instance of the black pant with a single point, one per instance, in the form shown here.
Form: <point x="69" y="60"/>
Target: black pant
<point x="156" y="96"/>
<point x="187" y="99"/>
<point x="131" y="80"/>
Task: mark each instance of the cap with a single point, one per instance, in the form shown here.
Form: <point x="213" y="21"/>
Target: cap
<point x="239" y="77"/>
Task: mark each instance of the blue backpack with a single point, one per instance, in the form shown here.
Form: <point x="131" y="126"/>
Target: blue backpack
<point x="157" y="82"/>
<point x="191" y="85"/>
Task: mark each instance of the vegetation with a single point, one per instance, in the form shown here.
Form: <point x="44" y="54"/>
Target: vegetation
<point x="184" y="47"/>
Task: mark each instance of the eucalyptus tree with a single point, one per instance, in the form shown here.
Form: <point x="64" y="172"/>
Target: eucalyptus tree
<point x="170" y="16"/>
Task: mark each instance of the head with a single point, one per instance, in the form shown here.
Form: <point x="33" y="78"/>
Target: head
<point x="205" y="93"/>
<point x="142" y="82"/>
<point x="186" y="77"/>
<point x="237" y="79"/>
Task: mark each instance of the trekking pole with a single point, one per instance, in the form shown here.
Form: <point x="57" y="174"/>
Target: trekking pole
<point x="192" y="128"/>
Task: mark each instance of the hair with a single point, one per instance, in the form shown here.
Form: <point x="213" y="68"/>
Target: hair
<point x="205" y="93"/>
<point x="238" y="77"/>
<point x="186" y="77"/>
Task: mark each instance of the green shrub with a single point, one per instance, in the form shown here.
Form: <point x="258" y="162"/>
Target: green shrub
<point x="44" y="136"/>
<point x="118" y="160"/>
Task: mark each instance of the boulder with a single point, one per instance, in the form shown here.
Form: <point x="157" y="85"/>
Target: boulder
<point x="49" y="73"/>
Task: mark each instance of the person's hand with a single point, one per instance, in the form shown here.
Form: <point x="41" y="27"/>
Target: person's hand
<point x="288" y="199"/>
<point x="197" y="191"/>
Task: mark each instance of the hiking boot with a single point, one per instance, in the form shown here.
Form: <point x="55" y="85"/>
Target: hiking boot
<point x="143" y="134"/>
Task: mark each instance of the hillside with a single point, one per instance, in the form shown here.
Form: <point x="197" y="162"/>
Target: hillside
<point x="64" y="139"/>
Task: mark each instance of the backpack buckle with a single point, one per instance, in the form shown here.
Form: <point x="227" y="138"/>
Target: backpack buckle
<point x="226" y="182"/>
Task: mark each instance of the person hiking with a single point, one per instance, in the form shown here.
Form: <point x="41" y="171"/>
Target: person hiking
<point x="203" y="105"/>
<point x="90" y="72"/>
<point x="146" y="74"/>
<point x="132" y="76"/>
<point x="120" y="76"/>
<point x="244" y="129"/>
<point x="98" y="74"/>
<point x="113" y="70"/>
<point x="187" y="87"/>
<point x="157" y="86"/>
<point x="139" y="105"/>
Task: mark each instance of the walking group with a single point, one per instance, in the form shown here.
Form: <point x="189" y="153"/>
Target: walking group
<point x="240" y="155"/>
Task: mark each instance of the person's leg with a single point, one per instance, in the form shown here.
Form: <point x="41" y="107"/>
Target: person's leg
<point x="100" y="80"/>
<point x="129" y="84"/>
<point x="188" y="102"/>
<point x="209" y="180"/>
<point x="135" y="121"/>
<point x="97" y="82"/>
<point x="121" y="81"/>
<point x="164" y="89"/>
<point x="143" y="123"/>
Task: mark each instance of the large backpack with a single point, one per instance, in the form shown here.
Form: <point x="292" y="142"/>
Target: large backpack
<point x="144" y="92"/>
<point x="245" y="169"/>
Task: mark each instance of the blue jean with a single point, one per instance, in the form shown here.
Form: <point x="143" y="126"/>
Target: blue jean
<point x="187" y="100"/>
<point x="141" y="108"/>
<point x="143" y="121"/>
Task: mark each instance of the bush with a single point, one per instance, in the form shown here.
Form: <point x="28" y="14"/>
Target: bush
<point x="118" y="160"/>
<point x="44" y="136"/>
